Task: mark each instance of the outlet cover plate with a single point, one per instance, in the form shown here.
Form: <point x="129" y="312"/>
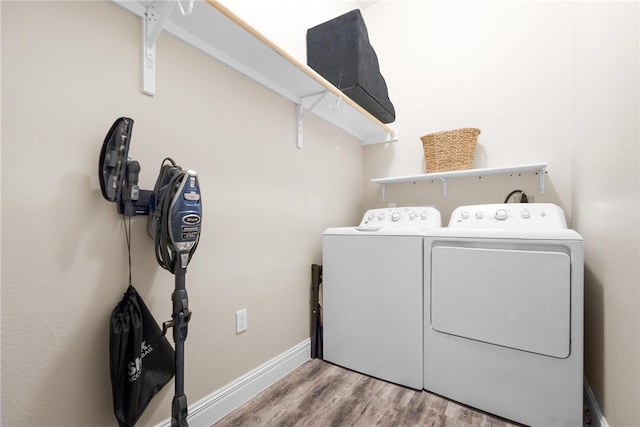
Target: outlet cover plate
<point x="241" y="321"/>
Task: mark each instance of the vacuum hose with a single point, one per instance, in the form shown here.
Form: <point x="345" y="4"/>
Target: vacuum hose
<point x="175" y="222"/>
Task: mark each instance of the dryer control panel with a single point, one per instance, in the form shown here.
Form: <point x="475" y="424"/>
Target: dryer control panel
<point x="414" y="217"/>
<point x="509" y="216"/>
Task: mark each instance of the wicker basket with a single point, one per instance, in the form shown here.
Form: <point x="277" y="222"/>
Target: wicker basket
<point x="449" y="150"/>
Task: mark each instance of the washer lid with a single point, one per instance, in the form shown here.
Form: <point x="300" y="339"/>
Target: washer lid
<point x="519" y="299"/>
<point x="373" y="231"/>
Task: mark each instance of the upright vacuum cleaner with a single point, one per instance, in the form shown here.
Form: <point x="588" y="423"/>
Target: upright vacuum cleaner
<point x="174" y="223"/>
<point x="175" y="215"/>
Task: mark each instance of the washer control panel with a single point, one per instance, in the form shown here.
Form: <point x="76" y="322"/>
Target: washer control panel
<point x="416" y="217"/>
<point x="508" y="215"/>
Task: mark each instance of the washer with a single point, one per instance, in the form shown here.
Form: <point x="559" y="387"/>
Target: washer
<point x="504" y="313"/>
<point x="372" y="294"/>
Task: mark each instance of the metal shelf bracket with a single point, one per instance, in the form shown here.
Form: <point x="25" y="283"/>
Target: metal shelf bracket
<point x="541" y="173"/>
<point x="153" y="20"/>
<point x="301" y="113"/>
<point x="444" y="187"/>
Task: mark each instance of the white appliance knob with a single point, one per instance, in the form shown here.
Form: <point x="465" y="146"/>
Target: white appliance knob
<point x="501" y="214"/>
<point x="412" y="216"/>
<point x="395" y="216"/>
<point x="479" y="215"/>
<point x="424" y="215"/>
<point x="526" y="214"/>
<point x="381" y="216"/>
<point x="464" y="215"/>
<point x="371" y="217"/>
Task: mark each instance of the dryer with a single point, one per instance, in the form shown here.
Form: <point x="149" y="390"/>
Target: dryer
<point x="504" y="313"/>
<point x="372" y="298"/>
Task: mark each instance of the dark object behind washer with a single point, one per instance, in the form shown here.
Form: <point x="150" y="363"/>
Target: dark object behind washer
<point x="340" y="51"/>
<point x="316" y="312"/>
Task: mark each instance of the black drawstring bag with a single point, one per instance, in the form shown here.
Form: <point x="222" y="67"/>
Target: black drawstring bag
<point x="142" y="360"/>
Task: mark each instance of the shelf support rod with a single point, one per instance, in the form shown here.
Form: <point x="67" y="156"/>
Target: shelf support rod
<point x="444" y="187"/>
<point x="301" y="114"/>
<point x="383" y="191"/>
<point x="541" y="173"/>
<point x="153" y="20"/>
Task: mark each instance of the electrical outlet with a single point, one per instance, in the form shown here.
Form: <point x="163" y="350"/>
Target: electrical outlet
<point x="517" y="198"/>
<point x="241" y="321"/>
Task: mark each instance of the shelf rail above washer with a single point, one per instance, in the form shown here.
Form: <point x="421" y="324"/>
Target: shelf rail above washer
<point x="539" y="168"/>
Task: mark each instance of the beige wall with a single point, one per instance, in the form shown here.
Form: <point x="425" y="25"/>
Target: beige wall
<point x="68" y="71"/>
<point x="503" y="67"/>
<point x="606" y="190"/>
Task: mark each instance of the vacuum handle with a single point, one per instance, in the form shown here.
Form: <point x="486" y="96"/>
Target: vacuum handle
<point x="131" y="192"/>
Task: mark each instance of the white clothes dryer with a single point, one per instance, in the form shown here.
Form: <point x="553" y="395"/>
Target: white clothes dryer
<point x="372" y="294"/>
<point x="504" y="313"/>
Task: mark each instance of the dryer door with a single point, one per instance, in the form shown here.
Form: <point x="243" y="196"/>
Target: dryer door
<point x="512" y="298"/>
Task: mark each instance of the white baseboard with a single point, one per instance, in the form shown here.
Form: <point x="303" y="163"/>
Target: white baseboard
<point x="222" y="402"/>
<point x="591" y="404"/>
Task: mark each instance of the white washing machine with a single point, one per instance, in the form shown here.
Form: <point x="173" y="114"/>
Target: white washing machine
<point x="504" y="313"/>
<point x="372" y="293"/>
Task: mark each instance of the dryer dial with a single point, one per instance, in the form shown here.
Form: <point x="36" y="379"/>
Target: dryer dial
<point x="501" y="214"/>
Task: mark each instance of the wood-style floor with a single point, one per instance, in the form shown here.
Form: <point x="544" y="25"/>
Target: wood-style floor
<point x="319" y="393"/>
